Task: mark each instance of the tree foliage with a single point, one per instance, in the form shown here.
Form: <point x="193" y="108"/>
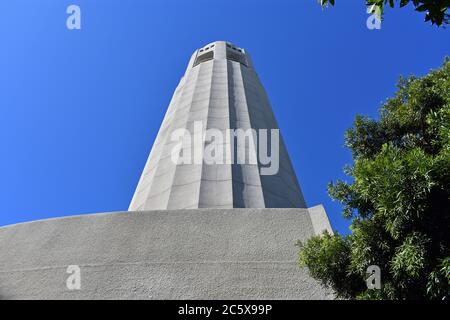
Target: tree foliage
<point x="435" y="10"/>
<point x="399" y="199"/>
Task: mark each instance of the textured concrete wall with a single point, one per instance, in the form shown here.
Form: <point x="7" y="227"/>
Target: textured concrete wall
<point x="221" y="94"/>
<point x="178" y="254"/>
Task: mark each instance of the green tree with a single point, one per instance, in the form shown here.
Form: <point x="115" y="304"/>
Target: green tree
<point x="398" y="200"/>
<point x="435" y="10"/>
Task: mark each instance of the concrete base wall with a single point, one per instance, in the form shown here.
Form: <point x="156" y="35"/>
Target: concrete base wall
<point x="174" y="254"/>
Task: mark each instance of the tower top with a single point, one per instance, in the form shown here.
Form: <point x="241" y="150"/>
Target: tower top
<point x="219" y="50"/>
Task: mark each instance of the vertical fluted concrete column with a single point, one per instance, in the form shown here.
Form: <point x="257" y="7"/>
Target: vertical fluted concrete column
<point x="219" y="92"/>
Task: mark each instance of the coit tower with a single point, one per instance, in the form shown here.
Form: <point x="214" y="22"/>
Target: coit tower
<point x="219" y="91"/>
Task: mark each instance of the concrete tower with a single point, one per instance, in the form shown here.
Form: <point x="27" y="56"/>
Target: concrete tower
<point x="193" y="230"/>
<point x="220" y="90"/>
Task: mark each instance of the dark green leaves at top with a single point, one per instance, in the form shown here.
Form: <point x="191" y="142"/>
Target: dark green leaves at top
<point x="436" y="11"/>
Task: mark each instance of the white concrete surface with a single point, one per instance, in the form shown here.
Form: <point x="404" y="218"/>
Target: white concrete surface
<point x="168" y="254"/>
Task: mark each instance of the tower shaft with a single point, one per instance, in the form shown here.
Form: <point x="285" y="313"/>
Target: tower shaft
<point x="220" y="92"/>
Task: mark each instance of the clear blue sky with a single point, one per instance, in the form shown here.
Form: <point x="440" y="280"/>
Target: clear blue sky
<point x="79" y="110"/>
